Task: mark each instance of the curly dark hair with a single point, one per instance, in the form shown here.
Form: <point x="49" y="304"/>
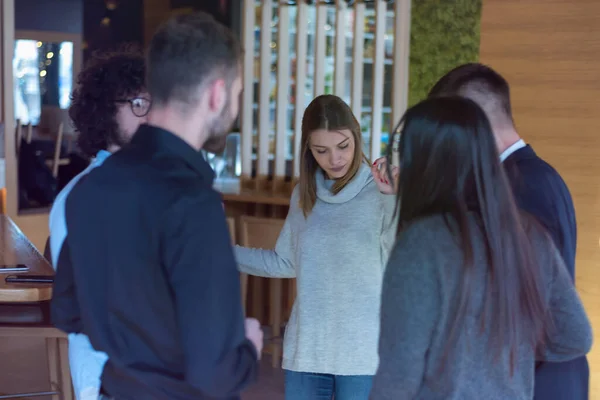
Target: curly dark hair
<point x="105" y="78"/>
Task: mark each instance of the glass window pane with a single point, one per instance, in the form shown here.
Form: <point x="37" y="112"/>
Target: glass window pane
<point x="65" y="82"/>
<point x="27" y="75"/>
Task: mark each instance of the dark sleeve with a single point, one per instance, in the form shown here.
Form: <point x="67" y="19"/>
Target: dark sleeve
<point x="540" y="191"/>
<point x="199" y="260"/>
<point x="536" y="197"/>
<point x="64" y="307"/>
<point x="410" y="307"/>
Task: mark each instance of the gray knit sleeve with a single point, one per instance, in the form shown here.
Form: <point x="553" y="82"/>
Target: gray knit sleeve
<point x="571" y="336"/>
<point x="410" y="307"/>
<point x="276" y="263"/>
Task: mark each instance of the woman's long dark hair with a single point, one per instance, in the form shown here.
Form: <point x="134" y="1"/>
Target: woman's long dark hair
<point x="449" y="165"/>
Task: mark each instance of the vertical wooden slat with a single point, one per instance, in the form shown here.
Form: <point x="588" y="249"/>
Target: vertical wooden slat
<point x="358" y="54"/>
<point x="264" y="127"/>
<point x="319" y="75"/>
<point x="7" y="38"/>
<point x="378" y="71"/>
<point x="247" y="115"/>
<point x="283" y="88"/>
<point x="340" y="47"/>
<point x="301" y="49"/>
<point x="401" y="59"/>
<point x="402" y="12"/>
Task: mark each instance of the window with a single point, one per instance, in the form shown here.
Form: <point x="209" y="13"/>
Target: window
<point x="43" y="73"/>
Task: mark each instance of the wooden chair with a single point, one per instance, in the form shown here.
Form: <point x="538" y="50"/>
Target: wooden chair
<point x="262" y="233"/>
<point x="3" y="200"/>
<point x="29" y="136"/>
<point x="58" y="161"/>
<point x="57" y="357"/>
<point x="18" y="135"/>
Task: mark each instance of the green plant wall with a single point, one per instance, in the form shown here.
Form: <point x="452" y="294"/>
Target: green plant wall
<point x="444" y="34"/>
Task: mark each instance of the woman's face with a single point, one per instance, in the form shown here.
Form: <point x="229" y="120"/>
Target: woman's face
<point x="333" y="150"/>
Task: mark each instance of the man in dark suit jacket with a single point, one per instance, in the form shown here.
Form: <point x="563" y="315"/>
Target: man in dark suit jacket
<point x="538" y="189"/>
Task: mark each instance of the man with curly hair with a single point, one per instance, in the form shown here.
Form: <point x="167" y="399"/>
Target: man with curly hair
<point x="108" y="105"/>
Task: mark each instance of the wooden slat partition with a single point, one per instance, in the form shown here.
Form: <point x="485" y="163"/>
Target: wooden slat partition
<point x="301" y="49"/>
<point x="401" y="63"/>
<point x="401" y="59"/>
<point x="274" y="162"/>
<point x="264" y="111"/>
<point x="283" y="90"/>
<point x="319" y="75"/>
<point x="378" y="70"/>
<point x="358" y="53"/>
<point x="549" y="51"/>
<point x="339" y="82"/>
<point x="247" y="114"/>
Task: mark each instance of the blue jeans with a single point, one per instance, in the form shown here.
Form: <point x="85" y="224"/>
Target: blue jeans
<point x="310" y="386"/>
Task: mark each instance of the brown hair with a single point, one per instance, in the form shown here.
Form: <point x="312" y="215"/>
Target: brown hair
<point x="186" y="52"/>
<point x="330" y="113"/>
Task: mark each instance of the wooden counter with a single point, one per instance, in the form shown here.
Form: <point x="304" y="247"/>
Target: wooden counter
<point x="257" y="197"/>
<point x="233" y="191"/>
<point x="259" y="200"/>
<point x="15" y="249"/>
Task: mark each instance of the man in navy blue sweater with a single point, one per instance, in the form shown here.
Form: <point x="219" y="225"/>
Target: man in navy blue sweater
<point x="538" y="189"/>
<point x="146" y="269"/>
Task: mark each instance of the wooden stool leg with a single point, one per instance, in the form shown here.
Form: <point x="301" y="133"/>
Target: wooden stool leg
<point x="53" y="367"/>
<point x="244" y="283"/>
<point x="275" y="308"/>
<point x="257" y="297"/>
<point x="66" y="385"/>
<point x="275" y="299"/>
<point x="276" y="355"/>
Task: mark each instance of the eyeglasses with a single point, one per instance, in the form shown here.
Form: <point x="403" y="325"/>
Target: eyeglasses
<point x="396" y="137"/>
<point x="140" y="106"/>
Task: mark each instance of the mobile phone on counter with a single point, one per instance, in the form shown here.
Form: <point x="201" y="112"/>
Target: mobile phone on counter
<point x="29" y="279"/>
<point x="13" y="268"/>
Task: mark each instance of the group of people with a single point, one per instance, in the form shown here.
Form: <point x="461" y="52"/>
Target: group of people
<point x="448" y="276"/>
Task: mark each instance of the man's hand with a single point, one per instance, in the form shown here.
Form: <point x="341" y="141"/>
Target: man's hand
<point x="254" y="334"/>
<point x="382" y="178"/>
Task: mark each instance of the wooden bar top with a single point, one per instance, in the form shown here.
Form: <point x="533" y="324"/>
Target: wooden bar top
<point x="257" y="196"/>
<point x="232" y="191"/>
<point x="15" y="249"/>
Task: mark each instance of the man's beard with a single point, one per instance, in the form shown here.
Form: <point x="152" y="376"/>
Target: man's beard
<point x="218" y="132"/>
<point x="119" y="138"/>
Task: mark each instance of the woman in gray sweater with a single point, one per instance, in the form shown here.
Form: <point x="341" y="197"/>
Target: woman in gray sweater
<point x="335" y="242"/>
<point x="474" y="293"/>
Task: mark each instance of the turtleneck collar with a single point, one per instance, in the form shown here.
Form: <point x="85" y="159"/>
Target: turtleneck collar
<point x="362" y="178"/>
